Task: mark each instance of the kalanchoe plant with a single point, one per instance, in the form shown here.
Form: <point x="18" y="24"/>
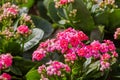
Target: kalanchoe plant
<point x="15" y="28"/>
<point x="81" y="60"/>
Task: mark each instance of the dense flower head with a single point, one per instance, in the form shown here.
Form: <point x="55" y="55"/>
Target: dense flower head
<point x="117" y="33"/>
<point x="71" y="55"/>
<point x="23" y="30"/>
<point x="66" y="41"/>
<point x="38" y="54"/>
<point x="107" y="3"/>
<point x="9" y="10"/>
<point x="5" y="76"/>
<point x="59" y="3"/>
<point x="53" y="68"/>
<point x="70" y="43"/>
<point x="5" y="61"/>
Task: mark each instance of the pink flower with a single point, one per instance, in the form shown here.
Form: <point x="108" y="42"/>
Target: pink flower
<point x="95" y="45"/>
<point x="12" y="11"/>
<point x="53" y="68"/>
<point x="114" y="54"/>
<point x="63" y="1"/>
<point x="105" y="56"/>
<point x="5" y="76"/>
<point x="67" y="68"/>
<point x="81" y="36"/>
<point x="38" y="54"/>
<point x="104" y="65"/>
<point x="117" y="33"/>
<point x="23" y="29"/>
<point x="6" y="60"/>
<point x="104" y="48"/>
<point x="26" y="17"/>
<point x="41" y="68"/>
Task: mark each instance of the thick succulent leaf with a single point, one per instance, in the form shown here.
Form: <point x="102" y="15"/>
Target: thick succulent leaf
<point x="114" y="19"/>
<point x="44" y="25"/>
<point x="102" y="18"/>
<point x="86" y="21"/>
<point x="92" y="67"/>
<point x="28" y="4"/>
<point x="34" y="39"/>
<point x="33" y="75"/>
<point x="52" y="12"/>
<point x="42" y="10"/>
<point x="15" y="70"/>
<point x="111" y="20"/>
<point x="87" y="63"/>
<point x="22" y="65"/>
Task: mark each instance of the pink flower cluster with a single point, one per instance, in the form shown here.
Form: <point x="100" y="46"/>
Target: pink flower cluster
<point x="53" y="68"/>
<point x="5" y="61"/>
<point x="66" y="42"/>
<point x="23" y="29"/>
<point x="59" y="3"/>
<point x="70" y="44"/>
<point x="117" y="33"/>
<point x="5" y="76"/>
<point x="8" y="10"/>
<point x="66" y="1"/>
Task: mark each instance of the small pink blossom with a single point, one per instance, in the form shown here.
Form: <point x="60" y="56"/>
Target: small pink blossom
<point x="6" y="60"/>
<point x="67" y="68"/>
<point x="41" y="68"/>
<point x="104" y="65"/>
<point x="105" y="56"/>
<point x="54" y="68"/>
<point x="63" y="2"/>
<point x="26" y="17"/>
<point x="104" y="48"/>
<point x="114" y="54"/>
<point x="95" y="45"/>
<point x="23" y="29"/>
<point x="38" y="54"/>
<point x="117" y="33"/>
<point x="5" y="76"/>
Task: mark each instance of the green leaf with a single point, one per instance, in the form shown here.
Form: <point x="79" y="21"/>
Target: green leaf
<point x="33" y="75"/>
<point x="102" y="18"/>
<point x="44" y="25"/>
<point x="28" y="3"/>
<point x="92" y="67"/>
<point x="52" y="12"/>
<point x="87" y="63"/>
<point x="15" y="70"/>
<point x="22" y="64"/>
<point x="86" y="21"/>
<point x="35" y="37"/>
<point x="114" y="19"/>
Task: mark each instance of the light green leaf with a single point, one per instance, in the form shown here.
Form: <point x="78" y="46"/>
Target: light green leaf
<point x="33" y="75"/>
<point x="36" y="36"/>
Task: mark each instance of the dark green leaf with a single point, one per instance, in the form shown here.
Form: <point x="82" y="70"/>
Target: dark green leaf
<point x="86" y="22"/>
<point x="15" y="70"/>
<point x="22" y="64"/>
<point x="44" y="25"/>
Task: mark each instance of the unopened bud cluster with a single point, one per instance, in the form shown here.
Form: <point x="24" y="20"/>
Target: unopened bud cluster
<point x="104" y="3"/>
<point x="73" y="13"/>
<point x="8" y="10"/>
